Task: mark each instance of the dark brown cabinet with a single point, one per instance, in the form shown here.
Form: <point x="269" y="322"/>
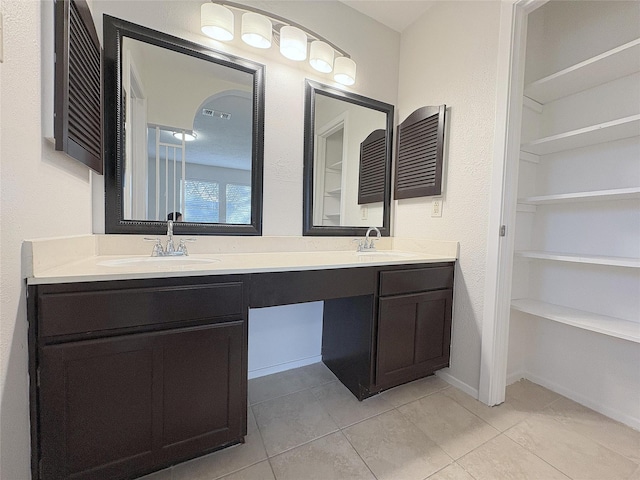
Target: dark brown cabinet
<point x="124" y="403"/>
<point x="414" y="333"/>
<point x="131" y="376"/>
<point x="414" y="324"/>
<point x="398" y="332"/>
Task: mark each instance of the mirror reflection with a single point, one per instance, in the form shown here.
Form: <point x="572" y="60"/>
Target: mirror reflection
<point x="188" y="137"/>
<point x="340" y="130"/>
<point x="347" y="162"/>
<point x="183" y="135"/>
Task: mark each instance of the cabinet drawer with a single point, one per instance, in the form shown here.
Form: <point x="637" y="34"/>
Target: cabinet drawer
<point x="415" y="280"/>
<point x="90" y="311"/>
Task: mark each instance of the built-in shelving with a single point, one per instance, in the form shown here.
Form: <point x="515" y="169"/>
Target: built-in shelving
<point x="523" y="207"/>
<point x="578" y="197"/>
<point x="615" y="327"/>
<point x="616" y="63"/>
<point x="583" y="137"/>
<point x="581" y="258"/>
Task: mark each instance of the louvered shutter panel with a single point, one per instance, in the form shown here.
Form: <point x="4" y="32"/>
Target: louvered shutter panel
<point x="420" y="153"/>
<point x="77" y="125"/>
<point x="372" y="168"/>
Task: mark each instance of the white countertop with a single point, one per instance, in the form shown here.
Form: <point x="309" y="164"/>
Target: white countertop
<point x="101" y="267"/>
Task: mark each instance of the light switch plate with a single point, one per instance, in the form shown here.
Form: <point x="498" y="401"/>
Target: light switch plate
<point x="436" y="207"/>
<point x="364" y="213"/>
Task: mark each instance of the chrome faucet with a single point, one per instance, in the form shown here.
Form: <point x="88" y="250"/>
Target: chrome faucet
<point x="170" y="250"/>
<point x="367" y="244"/>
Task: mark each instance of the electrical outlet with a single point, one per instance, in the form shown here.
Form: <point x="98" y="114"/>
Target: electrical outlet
<point x="436" y="207"/>
<point x="364" y="213"/>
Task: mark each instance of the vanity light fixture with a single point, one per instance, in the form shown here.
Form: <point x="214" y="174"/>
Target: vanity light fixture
<point x="293" y="43"/>
<point x="256" y="30"/>
<point x="345" y="71"/>
<point x="216" y="21"/>
<point x="259" y="28"/>
<point x="321" y="56"/>
<point x="188" y="136"/>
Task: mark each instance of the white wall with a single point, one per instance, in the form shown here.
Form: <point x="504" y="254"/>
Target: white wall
<point x="449" y="56"/>
<point x="44" y="194"/>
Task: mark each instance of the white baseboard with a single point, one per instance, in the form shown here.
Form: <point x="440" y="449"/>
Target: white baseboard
<point x="460" y="385"/>
<point x="261" y="372"/>
<point x="629" y="420"/>
<point x="514" y="377"/>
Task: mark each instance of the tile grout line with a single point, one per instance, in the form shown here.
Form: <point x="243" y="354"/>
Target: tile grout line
<point x="358" y="453"/>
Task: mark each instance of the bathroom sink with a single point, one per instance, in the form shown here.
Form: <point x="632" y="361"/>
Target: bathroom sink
<point x="157" y="261"/>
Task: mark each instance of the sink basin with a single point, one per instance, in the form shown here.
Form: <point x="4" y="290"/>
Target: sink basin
<point x="157" y="261"/>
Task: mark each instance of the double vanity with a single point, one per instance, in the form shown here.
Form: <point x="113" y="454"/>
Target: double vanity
<point x="139" y="362"/>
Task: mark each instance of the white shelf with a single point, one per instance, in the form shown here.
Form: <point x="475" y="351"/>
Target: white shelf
<point x="336" y="166"/>
<point x="584" y="137"/>
<point x="523" y="207"/>
<point x="616" y="63"/>
<point x="615" y="327"/>
<point x="579" y="197"/>
<point x="336" y="192"/>
<point x="529" y="157"/>
<point x="332" y="216"/>
<point x="580" y="258"/>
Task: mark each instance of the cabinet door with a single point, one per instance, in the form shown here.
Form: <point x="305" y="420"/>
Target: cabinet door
<point x="414" y="335"/>
<point x="120" y="405"/>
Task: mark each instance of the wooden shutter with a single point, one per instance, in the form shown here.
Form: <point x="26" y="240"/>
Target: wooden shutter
<point x="420" y="153"/>
<point x="77" y="125"/>
<point x="373" y="157"/>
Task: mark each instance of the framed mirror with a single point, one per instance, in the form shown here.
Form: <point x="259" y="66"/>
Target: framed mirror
<point x="183" y="134"/>
<point x="347" y="162"/>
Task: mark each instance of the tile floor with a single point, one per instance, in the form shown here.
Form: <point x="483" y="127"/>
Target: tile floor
<point x="303" y="424"/>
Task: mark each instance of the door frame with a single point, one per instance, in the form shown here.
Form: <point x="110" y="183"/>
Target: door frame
<point x="503" y="198"/>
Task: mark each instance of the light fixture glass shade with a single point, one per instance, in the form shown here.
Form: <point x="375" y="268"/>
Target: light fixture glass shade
<point x="188" y="136"/>
<point x="256" y="30"/>
<point x="344" y="71"/>
<point x="321" y="56"/>
<point x="293" y="43"/>
<point x="216" y="21"/>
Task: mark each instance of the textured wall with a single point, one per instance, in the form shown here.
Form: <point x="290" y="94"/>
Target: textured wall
<point x="42" y="193"/>
<point x="449" y="56"/>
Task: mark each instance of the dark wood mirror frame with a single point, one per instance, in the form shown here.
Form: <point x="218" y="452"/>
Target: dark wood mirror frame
<point x="114" y="31"/>
<point x="311" y="90"/>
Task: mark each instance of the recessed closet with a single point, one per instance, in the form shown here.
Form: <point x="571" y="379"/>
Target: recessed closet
<point x="575" y="308"/>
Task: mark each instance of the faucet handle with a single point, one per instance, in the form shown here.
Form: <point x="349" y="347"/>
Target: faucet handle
<point x="182" y="246"/>
<point x="157" y="251"/>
